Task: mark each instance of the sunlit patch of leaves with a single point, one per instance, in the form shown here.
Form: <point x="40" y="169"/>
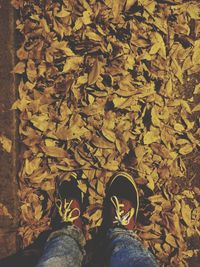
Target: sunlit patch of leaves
<point x="98" y="94"/>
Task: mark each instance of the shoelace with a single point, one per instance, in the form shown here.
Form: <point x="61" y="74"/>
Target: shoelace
<point x="121" y="217"/>
<point x="66" y="212"/>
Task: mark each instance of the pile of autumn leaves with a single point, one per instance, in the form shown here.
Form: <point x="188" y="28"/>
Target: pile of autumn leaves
<point x="98" y="94"/>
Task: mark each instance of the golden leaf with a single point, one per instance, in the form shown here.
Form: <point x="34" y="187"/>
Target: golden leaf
<point x="179" y="127"/>
<point x="38" y="212"/>
<point x="82" y="186"/>
<point x="6" y="143"/>
<point x="19" y="68"/>
<point x="154" y="117"/>
<point x="86" y="17"/>
<point x="109" y="135"/>
<point x="93" y="36"/>
<point x="186" y="212"/>
<point x="196" y="108"/>
<point x="186" y="149"/>
<point x="4" y="211"/>
<point x="152" y="136"/>
<point x="72" y="63"/>
<point x="54" y="151"/>
<point x="96" y="215"/>
<point x="171" y="240"/>
<point x="31" y="70"/>
<point x="158" y="45"/>
<point x="95" y="72"/>
<point x="169" y="87"/>
<point x="101" y="142"/>
<point x="31" y="166"/>
<point x="197" y="89"/>
<point x="129" y="4"/>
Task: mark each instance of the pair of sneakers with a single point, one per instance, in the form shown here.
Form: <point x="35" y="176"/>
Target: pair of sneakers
<point x="121" y="202"/>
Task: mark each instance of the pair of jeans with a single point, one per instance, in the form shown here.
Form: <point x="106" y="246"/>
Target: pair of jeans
<point x="65" y="248"/>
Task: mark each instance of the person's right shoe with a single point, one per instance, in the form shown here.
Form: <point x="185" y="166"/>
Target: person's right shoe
<point x="122" y="201"/>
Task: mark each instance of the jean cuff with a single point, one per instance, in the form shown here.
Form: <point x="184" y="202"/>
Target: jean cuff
<point x="72" y="231"/>
<point x="114" y="232"/>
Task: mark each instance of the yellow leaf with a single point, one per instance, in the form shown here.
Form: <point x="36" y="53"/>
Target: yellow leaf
<point x="82" y="186"/>
<point x="150" y="184"/>
<point x="100" y="188"/>
<point x="86" y="17"/>
<point x="62" y="13"/>
<point x="96" y="215"/>
<point x="69" y="52"/>
<point x="196" y="108"/>
<point x="177" y="69"/>
<point x="154" y="117"/>
<point x="179" y="127"/>
<point x="31" y="71"/>
<point x="158" y="45"/>
<point x="22" y="54"/>
<point x="140" y="151"/>
<point x="93" y="36"/>
<point x="193" y="9"/>
<point x="31" y="166"/>
<point x="186" y="212"/>
<point x="82" y="79"/>
<point x="149" y="5"/>
<point x="73" y="132"/>
<point x="91" y="99"/>
<point x="4" y="211"/>
<point x="130" y="62"/>
<point x="170" y="240"/>
<point x="169" y="87"/>
<point x="129" y="4"/>
<point x="6" y="143"/>
<point x="78" y="24"/>
<point x="38" y="176"/>
<point x="188" y="148"/>
<point x="19" y="68"/>
<point x="109" y="135"/>
<point x="45" y="25"/>
<point x="111" y="165"/>
<point x="72" y="63"/>
<point x="152" y="136"/>
<point x="149" y="236"/>
<point x="95" y="72"/>
<point x="101" y="142"/>
<point x="197" y="89"/>
<point x="38" y="212"/>
<point x="54" y="151"/>
<point x="196" y="54"/>
<point x="115" y="8"/>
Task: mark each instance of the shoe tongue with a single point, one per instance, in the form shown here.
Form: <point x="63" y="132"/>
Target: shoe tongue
<point x="122" y="208"/>
<point x="127" y="204"/>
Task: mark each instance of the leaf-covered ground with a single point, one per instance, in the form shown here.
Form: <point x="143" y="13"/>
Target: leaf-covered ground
<point x="100" y="91"/>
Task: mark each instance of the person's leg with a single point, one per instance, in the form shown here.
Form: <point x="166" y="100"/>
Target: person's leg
<point x="64" y="248"/>
<point x="65" y="245"/>
<point x="125" y="250"/>
<point x="121" y="209"/>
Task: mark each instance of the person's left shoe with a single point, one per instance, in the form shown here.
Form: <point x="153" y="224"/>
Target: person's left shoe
<point x="68" y="203"/>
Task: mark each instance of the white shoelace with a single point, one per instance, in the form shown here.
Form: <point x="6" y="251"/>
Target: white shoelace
<point x="121" y="217"/>
<point x="66" y="212"/>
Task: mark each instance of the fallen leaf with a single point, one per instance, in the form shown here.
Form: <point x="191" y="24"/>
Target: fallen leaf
<point x="54" y="151"/>
<point x="6" y="143"/>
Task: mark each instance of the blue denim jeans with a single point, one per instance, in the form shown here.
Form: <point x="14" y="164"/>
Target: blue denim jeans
<point x="65" y="248"/>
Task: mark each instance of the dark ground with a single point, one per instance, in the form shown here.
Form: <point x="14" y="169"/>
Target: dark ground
<point x="8" y="127"/>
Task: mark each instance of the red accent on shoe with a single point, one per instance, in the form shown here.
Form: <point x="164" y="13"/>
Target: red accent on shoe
<point x="127" y="207"/>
